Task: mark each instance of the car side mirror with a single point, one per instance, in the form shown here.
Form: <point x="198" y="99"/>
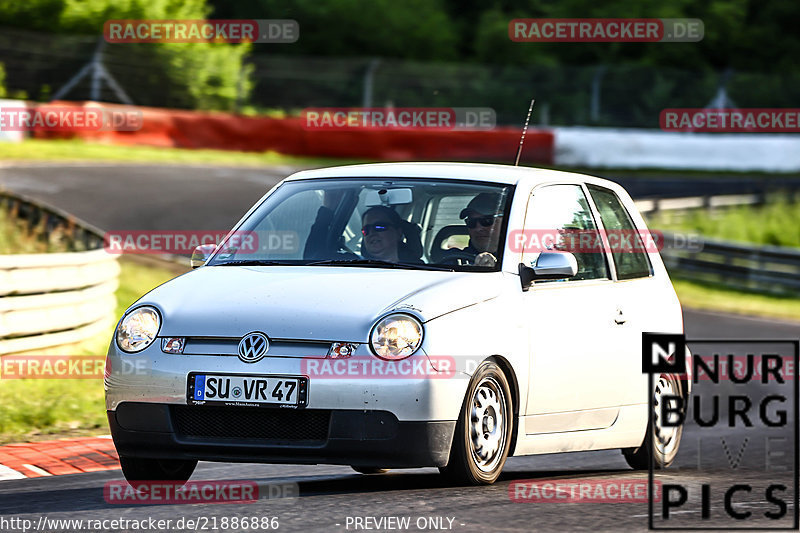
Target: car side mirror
<point x="201" y="254"/>
<point x="549" y="265"/>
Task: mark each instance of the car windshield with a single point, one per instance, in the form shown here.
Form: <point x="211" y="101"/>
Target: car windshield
<point x="375" y="222"/>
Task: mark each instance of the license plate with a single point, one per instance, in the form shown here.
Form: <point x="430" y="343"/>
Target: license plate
<point x="237" y="390"/>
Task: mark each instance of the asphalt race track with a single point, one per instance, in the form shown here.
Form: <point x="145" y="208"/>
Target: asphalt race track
<point x="142" y="197"/>
<point x="336" y="498"/>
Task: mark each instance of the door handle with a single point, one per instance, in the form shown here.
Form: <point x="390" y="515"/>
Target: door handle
<point x="620" y="319"/>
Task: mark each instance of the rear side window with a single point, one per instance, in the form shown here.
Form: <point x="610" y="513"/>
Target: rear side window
<point x="630" y="263"/>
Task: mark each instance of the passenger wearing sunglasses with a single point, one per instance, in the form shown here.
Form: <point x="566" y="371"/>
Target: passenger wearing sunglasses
<point x="484" y="219"/>
<point x="386" y="236"/>
<point x="380" y="228"/>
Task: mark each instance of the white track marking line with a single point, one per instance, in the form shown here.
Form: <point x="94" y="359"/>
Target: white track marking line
<point x="37" y="470"/>
<point x="9" y="473"/>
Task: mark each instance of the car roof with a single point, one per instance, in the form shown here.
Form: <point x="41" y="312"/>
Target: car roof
<point x="505" y="174"/>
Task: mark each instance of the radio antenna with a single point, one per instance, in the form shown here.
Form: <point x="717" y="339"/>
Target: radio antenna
<point x="524" y="131"/>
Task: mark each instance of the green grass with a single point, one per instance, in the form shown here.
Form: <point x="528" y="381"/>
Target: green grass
<point x="712" y="297"/>
<point x="136" y="279"/>
<point x="775" y="223"/>
<point x="35" y="409"/>
<point x="77" y="150"/>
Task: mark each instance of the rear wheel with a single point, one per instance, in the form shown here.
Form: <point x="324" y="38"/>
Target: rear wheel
<point x="483" y="431"/>
<point x="369" y="469"/>
<point x="138" y="470"/>
<point x="666" y="439"/>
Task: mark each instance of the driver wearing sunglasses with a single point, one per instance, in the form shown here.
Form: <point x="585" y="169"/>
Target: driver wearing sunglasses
<point x="483" y="217"/>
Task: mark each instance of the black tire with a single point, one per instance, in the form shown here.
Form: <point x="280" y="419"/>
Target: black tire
<point x="138" y="470"/>
<point x="667" y="440"/>
<point x="369" y="470"/>
<point x="479" y="459"/>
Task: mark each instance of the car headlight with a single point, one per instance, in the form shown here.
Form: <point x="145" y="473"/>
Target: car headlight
<point x="138" y="329"/>
<point x="396" y="337"/>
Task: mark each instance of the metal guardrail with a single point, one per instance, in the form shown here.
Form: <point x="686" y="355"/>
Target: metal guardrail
<point x="53" y="299"/>
<point x="771" y="269"/>
<point x="652" y="205"/>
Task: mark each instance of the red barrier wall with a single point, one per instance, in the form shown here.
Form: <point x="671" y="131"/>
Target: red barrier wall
<point x="222" y="131"/>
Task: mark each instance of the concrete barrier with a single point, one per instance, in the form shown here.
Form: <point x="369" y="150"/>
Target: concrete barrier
<point x="60" y="298"/>
<point x="12" y="136"/>
<point x="224" y="131"/>
<point x="635" y="148"/>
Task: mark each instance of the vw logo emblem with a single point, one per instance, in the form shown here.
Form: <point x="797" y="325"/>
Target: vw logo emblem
<point x="253" y="347"/>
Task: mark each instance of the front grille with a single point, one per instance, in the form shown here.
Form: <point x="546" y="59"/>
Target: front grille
<point x="277" y="347"/>
<point x="251" y="423"/>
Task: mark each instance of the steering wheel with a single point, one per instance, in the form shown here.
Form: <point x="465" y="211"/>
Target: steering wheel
<point x="453" y="258"/>
<point x="345" y="253"/>
<point x="343" y="250"/>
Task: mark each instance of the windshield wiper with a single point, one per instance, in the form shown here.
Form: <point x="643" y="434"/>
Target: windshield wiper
<point x="378" y="263"/>
<point x="249" y="262"/>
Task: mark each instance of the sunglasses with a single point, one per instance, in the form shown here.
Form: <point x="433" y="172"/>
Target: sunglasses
<point x="486" y="221"/>
<point x="380" y="227"/>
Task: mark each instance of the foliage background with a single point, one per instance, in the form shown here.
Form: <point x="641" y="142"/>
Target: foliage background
<point x="195" y="75"/>
<point x="432" y="52"/>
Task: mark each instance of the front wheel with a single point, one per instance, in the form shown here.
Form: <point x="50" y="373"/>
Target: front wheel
<point x="138" y="470"/>
<point x="483" y="431"/>
<point x="665" y="440"/>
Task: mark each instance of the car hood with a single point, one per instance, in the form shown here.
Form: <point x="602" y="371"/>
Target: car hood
<point x="305" y="302"/>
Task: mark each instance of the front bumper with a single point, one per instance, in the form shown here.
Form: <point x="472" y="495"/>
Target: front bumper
<point x="303" y="436"/>
<point x="155" y="377"/>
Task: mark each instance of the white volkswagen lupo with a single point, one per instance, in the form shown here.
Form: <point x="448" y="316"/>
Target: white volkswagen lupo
<point x="401" y="315"/>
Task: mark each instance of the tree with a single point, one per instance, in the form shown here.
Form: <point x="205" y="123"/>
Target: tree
<point x="193" y="75"/>
<point x="412" y="29"/>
